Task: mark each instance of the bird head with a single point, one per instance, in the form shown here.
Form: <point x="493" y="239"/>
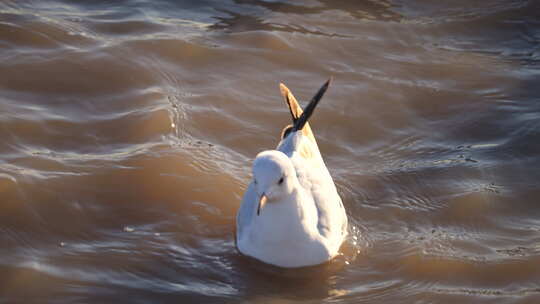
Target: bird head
<point x="273" y="174"/>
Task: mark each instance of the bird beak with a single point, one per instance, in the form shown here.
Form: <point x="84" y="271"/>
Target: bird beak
<point x="262" y="202"/>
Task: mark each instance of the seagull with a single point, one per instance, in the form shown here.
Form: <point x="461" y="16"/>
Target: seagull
<point x="291" y="213"/>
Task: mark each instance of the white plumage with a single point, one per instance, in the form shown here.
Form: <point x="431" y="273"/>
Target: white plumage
<point x="291" y="214"/>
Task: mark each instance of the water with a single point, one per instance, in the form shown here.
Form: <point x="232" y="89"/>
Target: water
<point x="128" y="129"/>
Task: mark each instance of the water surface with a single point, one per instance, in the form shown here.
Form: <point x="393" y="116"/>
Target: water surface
<point x="128" y="129"/>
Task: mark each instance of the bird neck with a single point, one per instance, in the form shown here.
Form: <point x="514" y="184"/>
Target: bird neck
<point x="296" y="214"/>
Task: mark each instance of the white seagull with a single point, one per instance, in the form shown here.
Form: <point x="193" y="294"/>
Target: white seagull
<point x="291" y="214"/>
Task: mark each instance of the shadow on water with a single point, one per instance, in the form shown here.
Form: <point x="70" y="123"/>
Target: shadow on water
<point x="276" y="283"/>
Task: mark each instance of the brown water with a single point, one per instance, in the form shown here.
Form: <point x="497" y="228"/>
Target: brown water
<point x="128" y="129"/>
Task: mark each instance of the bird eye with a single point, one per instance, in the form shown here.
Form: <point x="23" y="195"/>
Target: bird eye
<point x="280" y="181"/>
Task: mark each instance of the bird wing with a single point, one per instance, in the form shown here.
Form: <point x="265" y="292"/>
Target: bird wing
<point x="300" y="145"/>
<point x="317" y="182"/>
<point x="296" y="112"/>
<point x="246" y="211"/>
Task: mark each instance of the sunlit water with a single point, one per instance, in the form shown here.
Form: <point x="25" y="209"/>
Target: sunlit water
<point x="128" y="129"/>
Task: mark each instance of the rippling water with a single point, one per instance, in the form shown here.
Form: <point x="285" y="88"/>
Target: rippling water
<point x="128" y="129"/>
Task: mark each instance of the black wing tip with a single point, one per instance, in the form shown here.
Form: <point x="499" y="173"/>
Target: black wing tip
<point x="323" y="89"/>
<point x="329" y="81"/>
<point x="308" y="111"/>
